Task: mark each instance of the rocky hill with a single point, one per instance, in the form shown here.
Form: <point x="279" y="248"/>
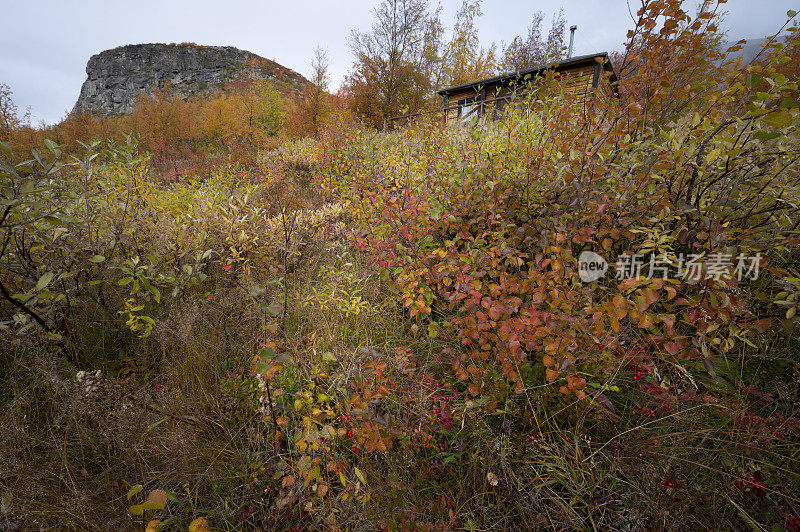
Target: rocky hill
<point x="115" y="78"/>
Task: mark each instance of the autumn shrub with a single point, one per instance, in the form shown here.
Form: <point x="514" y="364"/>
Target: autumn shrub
<point x="303" y="154"/>
<point x="394" y="330"/>
<point x="676" y="180"/>
<point x="684" y="179"/>
<point x="169" y="285"/>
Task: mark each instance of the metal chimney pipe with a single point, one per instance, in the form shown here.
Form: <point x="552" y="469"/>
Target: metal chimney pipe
<point x="571" y="39"/>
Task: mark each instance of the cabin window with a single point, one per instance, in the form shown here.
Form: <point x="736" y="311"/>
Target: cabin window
<point x="467" y="108"/>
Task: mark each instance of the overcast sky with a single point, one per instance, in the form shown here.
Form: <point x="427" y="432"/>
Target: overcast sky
<point x="45" y="44"/>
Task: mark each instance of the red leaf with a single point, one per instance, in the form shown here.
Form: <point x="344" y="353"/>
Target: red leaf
<point x="603" y="401"/>
<point x="763" y="325"/>
<point x="672" y="348"/>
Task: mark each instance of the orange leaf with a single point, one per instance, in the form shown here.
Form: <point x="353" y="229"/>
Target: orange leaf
<point x="158" y="497"/>
<point x="620" y="306"/>
<point x="671" y="292"/>
<point x="612" y="318"/>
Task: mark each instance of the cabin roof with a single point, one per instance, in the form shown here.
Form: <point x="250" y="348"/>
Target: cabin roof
<point x="556" y="65"/>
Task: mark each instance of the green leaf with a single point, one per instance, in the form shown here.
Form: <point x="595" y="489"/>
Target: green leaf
<point x="274" y="309"/>
<point x="256" y="290"/>
<point x="157" y="423"/>
<point x="789" y="103"/>
<point x="52" y="220"/>
<point x="156" y="293"/>
<point x="780" y="118"/>
<point x="6" y="149"/>
<point x="166" y="522"/>
<point x="38" y="156"/>
<point x="8" y="168"/>
<point x="97" y="259"/>
<point x="53" y="147"/>
<point x="791" y="13"/>
<point x="44" y="280"/>
<point x="764" y="136"/>
<point x="266" y="352"/>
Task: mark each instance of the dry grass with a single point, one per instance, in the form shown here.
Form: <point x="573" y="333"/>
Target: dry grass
<point x="180" y="411"/>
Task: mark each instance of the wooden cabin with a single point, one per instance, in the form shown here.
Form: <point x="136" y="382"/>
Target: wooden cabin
<point x="488" y="97"/>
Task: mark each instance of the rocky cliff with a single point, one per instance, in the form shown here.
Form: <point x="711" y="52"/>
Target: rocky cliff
<point x="115" y="78"/>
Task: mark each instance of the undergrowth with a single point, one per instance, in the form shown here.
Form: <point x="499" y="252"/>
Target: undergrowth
<point x="371" y="331"/>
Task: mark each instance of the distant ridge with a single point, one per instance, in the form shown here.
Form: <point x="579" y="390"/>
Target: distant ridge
<point x="116" y="77"/>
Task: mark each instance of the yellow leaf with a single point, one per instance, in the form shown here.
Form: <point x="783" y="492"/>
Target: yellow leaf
<point x="134" y="490"/>
<point x="360" y="475"/>
<point x="200" y="525"/>
<point x="152" y="526"/>
<point x="137" y="509"/>
<point x="646" y="321"/>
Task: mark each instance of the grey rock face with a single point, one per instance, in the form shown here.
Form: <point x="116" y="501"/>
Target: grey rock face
<point x="115" y="78"/>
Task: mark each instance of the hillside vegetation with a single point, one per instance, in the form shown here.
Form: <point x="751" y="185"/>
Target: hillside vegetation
<point x="355" y="330"/>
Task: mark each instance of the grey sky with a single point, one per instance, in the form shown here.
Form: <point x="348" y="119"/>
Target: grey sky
<point x="44" y="44"/>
